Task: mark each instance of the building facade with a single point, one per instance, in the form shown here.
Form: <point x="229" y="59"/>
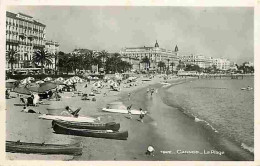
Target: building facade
<point x="221" y="63"/>
<point x="135" y="55"/>
<point x="24" y="35"/>
<point x="200" y="60"/>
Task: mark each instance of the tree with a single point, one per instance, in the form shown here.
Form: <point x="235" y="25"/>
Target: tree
<point x="56" y="56"/>
<point x="103" y="55"/>
<point x="161" y="65"/>
<point x="12" y="58"/>
<point x="181" y="65"/>
<point x="43" y="57"/>
<point x="63" y="63"/>
<point x="192" y="67"/>
<point x="146" y="60"/>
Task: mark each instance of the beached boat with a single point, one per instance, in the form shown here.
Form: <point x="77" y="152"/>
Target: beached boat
<point x="68" y="119"/>
<point x="23" y="147"/>
<point x="92" y="126"/>
<point x="109" y="134"/>
<point x="123" y="111"/>
<point x="118" y="107"/>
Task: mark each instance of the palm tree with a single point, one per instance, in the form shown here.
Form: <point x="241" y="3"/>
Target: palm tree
<point x="56" y="56"/>
<point x="43" y="57"/>
<point x="103" y="55"/>
<point x="161" y="65"/>
<point x="172" y="64"/>
<point x="12" y="58"/>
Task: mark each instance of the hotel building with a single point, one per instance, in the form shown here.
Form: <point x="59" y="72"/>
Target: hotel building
<point x="200" y="60"/>
<point x="134" y="55"/>
<point x="221" y="63"/>
<point x="24" y="35"/>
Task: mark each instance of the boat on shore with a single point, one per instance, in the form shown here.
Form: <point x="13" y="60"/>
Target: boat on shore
<point x="24" y="147"/>
<point x="68" y="118"/>
<point x="86" y="125"/>
<point x="123" y="111"/>
<point x="109" y="134"/>
<point x="118" y="107"/>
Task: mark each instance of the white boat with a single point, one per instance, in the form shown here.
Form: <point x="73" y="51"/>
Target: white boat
<point x="122" y="111"/>
<point x="69" y="119"/>
<point x="118" y="107"/>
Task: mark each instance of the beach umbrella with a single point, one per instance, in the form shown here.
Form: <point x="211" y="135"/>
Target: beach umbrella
<point x="22" y="90"/>
<point x="11" y="81"/>
<point x="59" y="79"/>
<point x="30" y="79"/>
<point x="47" y="79"/>
<point x="43" y="87"/>
<point x="9" y="85"/>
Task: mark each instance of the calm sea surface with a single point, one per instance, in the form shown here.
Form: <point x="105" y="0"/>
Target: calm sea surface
<point x="221" y="103"/>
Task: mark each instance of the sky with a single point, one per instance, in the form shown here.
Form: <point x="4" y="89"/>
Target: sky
<point x="219" y="32"/>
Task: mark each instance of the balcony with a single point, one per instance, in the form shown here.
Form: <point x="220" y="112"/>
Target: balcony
<point x="22" y="34"/>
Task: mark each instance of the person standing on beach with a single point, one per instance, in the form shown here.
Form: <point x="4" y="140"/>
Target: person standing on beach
<point x="141" y="115"/>
<point x="148" y="90"/>
<point x="129" y="95"/>
<point x="129" y="111"/>
<point x="152" y="90"/>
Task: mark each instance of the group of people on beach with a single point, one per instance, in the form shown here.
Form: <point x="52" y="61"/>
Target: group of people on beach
<point x="142" y="113"/>
<point x="151" y="91"/>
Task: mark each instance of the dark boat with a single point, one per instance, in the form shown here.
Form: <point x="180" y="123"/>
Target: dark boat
<point x="109" y="134"/>
<point x="86" y="125"/>
<point x="24" y="147"/>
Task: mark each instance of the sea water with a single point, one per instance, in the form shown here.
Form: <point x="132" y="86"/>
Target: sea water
<point x="220" y="104"/>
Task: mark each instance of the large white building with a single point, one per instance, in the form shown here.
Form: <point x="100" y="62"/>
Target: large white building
<point x="221" y="63"/>
<point x="135" y="55"/>
<point x="24" y="35"/>
<point x="200" y="60"/>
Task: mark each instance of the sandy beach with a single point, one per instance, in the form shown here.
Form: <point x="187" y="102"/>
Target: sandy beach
<point x="173" y="135"/>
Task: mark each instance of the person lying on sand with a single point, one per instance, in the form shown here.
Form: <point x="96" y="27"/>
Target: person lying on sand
<point x="26" y="110"/>
<point x="70" y="112"/>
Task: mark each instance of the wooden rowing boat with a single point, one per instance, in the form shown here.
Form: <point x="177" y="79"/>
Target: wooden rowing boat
<point x="109" y="134"/>
<point x="24" y="147"/>
<point x="86" y="125"/>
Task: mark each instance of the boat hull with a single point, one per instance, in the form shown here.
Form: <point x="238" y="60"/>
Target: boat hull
<point x="59" y="129"/>
<point x="92" y="126"/>
<point x="69" y="119"/>
<point x="23" y="147"/>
